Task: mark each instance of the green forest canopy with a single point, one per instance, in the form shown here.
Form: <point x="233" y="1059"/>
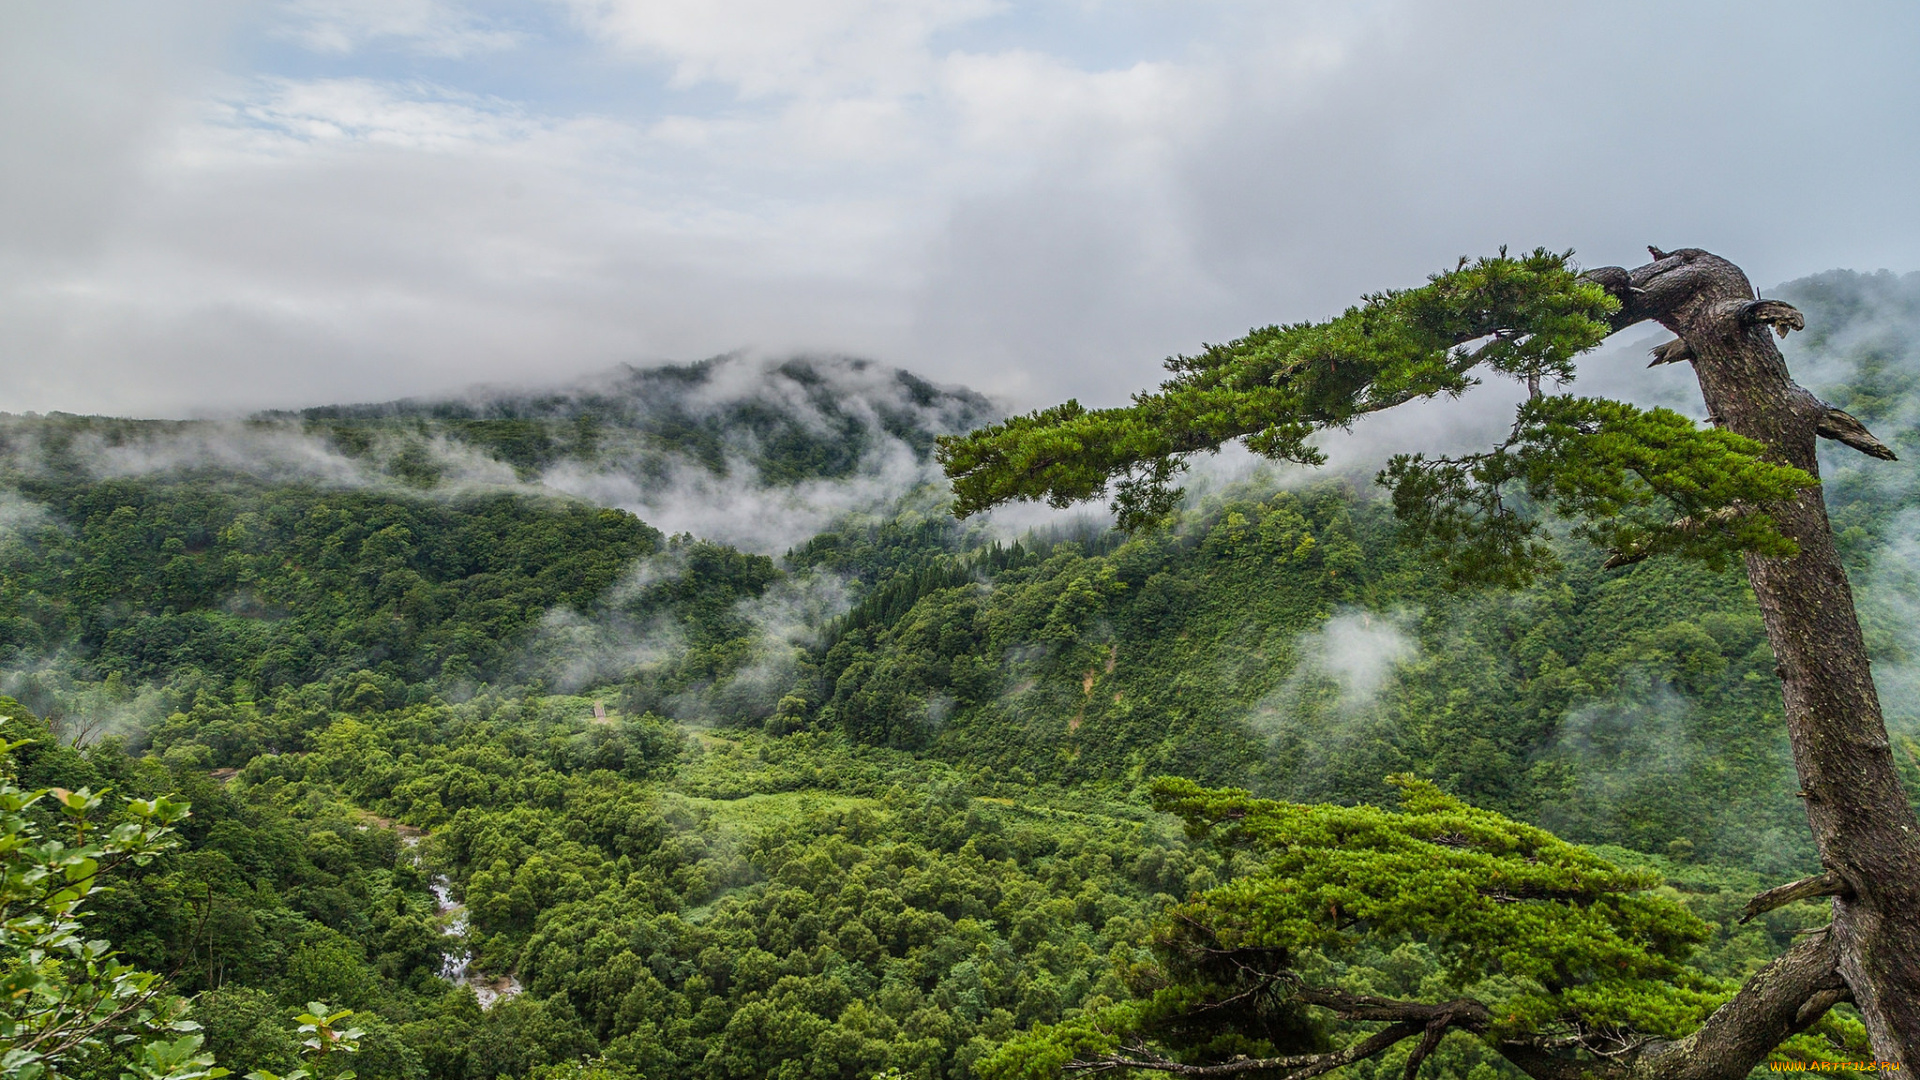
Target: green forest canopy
<point x="901" y="838"/>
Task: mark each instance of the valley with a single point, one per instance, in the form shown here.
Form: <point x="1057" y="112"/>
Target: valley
<point x="867" y="789"/>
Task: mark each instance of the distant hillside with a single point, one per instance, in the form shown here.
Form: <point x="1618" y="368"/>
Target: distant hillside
<point x="789" y="421"/>
<point x="439" y="544"/>
<point x="756" y="453"/>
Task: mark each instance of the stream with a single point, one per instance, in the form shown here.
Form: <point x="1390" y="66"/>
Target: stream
<point x="457" y="966"/>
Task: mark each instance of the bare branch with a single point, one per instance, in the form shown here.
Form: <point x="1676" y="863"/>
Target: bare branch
<point x="1827" y="884"/>
<point x="1778" y="1001"/>
<point x="1409" y="1018"/>
<point x="1816" y="1006"/>
<point x="1618" y="559"/>
<point x="1614" y="279"/>
<point x="1436" y="1030"/>
<point x="1298" y="1067"/>
<point x="1687" y="525"/>
<point x="1264" y="984"/>
<point x="1778" y="314"/>
<point x="1782" y="999"/>
<point x="1673" y="352"/>
<point x="1841" y="426"/>
<point x="1463" y="1012"/>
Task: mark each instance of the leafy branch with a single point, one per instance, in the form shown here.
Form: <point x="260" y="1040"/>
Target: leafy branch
<point x="63" y="997"/>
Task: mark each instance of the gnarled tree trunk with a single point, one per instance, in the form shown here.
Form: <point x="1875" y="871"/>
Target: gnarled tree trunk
<point x="1863" y="825"/>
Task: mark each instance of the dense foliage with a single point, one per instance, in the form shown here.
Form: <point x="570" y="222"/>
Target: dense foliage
<point x="66" y="1000"/>
<point x="286" y="586"/>
<point x="688" y="906"/>
<point x="1345" y="913"/>
<point x="1280" y="384"/>
<point x="1628" y="706"/>
<point x="681" y="903"/>
<point x="882" y="803"/>
<point x="1637" y="482"/>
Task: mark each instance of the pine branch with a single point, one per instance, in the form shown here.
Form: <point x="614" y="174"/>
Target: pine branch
<point x="1841" y="426"/>
<point x="1827" y="884"/>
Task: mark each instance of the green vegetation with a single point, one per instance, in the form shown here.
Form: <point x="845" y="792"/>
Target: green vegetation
<point x="65" y="999"/>
<point x="1626" y="476"/>
<point x="679" y="904"/>
<point x="888" y="802"/>
<point x="288" y="586"/>
<point x="1633" y="706"/>
<point x="1549" y="956"/>
<point x="799" y="420"/>
<point x="1359" y="911"/>
<point x="1279" y="385"/>
<point x="686" y="906"/>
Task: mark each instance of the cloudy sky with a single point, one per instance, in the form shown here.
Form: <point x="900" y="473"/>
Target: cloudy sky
<point x="231" y="205"/>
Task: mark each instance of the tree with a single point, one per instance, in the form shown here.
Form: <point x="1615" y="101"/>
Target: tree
<point x="66" y="1000"/>
<point x="1638" y="482"/>
<point x="325" y="1037"/>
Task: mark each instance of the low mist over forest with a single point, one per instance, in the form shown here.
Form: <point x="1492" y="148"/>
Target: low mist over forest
<point x="667" y="720"/>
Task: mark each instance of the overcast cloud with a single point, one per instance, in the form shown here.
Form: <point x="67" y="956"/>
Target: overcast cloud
<point x="238" y="205"/>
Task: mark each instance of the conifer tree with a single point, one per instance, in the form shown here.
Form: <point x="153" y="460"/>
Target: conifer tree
<point x="1593" y="970"/>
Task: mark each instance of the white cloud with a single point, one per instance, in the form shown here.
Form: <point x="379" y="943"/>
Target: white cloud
<point x="19" y="515"/>
<point x="1028" y="99"/>
<point x="947" y="185"/>
<point x="736" y="509"/>
<point x="280" y="114"/>
<point x="1359" y="651"/>
<point x="779" y="47"/>
<point x="429" y="27"/>
<point x="1329" y="702"/>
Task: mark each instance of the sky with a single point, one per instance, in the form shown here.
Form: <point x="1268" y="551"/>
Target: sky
<point x="225" y="206"/>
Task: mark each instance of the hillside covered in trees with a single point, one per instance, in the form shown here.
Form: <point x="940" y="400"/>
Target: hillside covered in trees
<point x="842" y="789"/>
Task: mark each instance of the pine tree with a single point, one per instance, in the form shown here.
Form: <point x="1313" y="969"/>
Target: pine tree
<point x="1638" y="482"/>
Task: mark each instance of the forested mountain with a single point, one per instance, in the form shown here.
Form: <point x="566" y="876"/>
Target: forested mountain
<point x="801" y="419"/>
<point x="440" y="545"/>
<point x="829" y="793"/>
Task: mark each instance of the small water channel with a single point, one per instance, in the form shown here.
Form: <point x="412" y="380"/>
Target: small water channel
<point x="456" y="963"/>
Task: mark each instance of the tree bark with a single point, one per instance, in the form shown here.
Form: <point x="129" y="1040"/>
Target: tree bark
<point x="1863" y="825"/>
<point x="1779" y="1001"/>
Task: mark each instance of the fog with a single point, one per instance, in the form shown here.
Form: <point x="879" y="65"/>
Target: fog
<point x="1326" y="705"/>
<point x="267" y="203"/>
<point x="686" y="449"/>
<point x="1862" y="348"/>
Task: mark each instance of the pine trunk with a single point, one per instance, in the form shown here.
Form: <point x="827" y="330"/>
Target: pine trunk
<point x="1863" y="824"/>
